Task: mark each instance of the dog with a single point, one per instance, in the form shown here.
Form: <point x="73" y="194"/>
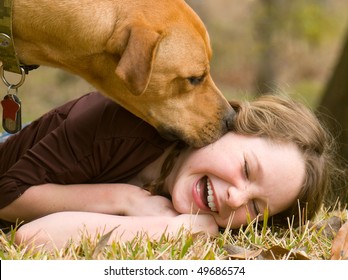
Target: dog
<point x="150" y="56"/>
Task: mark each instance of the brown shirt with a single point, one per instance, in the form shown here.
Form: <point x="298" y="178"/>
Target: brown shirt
<point x="88" y="140"/>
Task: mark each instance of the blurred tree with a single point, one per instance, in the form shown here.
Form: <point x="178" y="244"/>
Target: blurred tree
<point x="334" y="110"/>
<point x="280" y="27"/>
<point x="266" y="25"/>
<point x="334" y="102"/>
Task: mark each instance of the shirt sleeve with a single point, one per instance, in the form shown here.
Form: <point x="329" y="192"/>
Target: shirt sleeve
<point x="93" y="140"/>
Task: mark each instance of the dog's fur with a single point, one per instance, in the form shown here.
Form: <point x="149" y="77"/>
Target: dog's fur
<point x="150" y="56"/>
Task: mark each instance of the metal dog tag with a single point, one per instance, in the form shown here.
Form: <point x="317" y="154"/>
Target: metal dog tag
<point x="11" y="113"/>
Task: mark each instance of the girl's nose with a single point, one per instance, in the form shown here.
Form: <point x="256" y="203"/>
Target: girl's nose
<point x="236" y="197"/>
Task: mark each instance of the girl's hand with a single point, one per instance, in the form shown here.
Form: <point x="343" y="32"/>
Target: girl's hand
<point x="143" y="203"/>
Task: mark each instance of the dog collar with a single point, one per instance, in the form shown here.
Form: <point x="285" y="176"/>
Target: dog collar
<point x="8" y="55"/>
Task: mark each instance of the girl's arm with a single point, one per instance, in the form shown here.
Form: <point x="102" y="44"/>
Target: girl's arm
<point x="55" y="230"/>
<point x="116" y="199"/>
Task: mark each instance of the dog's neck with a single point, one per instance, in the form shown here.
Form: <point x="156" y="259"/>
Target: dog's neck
<point x="49" y="33"/>
<point x="8" y="56"/>
<point x="46" y="33"/>
<point x="44" y="30"/>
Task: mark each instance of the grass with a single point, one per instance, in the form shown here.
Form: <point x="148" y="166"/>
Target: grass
<point x="310" y="241"/>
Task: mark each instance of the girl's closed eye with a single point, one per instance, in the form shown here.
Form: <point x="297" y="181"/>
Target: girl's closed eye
<point x="246" y="169"/>
<point x="247" y="176"/>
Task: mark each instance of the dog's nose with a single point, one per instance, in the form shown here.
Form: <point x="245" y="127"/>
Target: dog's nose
<point x="229" y="119"/>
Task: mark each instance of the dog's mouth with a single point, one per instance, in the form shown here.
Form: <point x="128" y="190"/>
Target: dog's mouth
<point x="173" y="135"/>
<point x="197" y="136"/>
<point x="206" y="192"/>
<point x="168" y="134"/>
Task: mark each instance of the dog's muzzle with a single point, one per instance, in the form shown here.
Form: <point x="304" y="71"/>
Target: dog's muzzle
<point x="203" y="136"/>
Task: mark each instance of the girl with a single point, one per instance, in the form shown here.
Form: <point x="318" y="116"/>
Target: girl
<point x="91" y="165"/>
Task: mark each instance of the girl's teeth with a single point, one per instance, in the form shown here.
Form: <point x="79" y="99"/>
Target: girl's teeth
<point x="210" y="197"/>
<point x="212" y="206"/>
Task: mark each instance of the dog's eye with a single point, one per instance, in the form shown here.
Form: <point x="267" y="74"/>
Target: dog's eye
<point x="195" y="80"/>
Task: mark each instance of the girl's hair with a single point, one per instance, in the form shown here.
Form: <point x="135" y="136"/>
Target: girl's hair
<point x="156" y="187"/>
<point x="282" y="119"/>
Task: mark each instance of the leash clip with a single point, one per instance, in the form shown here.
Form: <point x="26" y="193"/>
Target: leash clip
<point x="9" y="85"/>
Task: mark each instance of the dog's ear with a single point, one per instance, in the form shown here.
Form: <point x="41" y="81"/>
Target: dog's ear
<point x="135" y="65"/>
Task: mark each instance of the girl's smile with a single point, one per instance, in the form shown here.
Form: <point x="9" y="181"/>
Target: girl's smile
<point x="204" y="196"/>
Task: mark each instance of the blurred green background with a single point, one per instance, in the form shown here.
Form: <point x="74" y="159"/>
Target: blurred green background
<point x="258" y="45"/>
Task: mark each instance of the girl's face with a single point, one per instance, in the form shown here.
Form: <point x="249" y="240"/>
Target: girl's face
<point x="235" y="176"/>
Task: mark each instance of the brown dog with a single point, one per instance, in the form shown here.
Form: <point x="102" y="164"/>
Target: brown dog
<point x="150" y="56"/>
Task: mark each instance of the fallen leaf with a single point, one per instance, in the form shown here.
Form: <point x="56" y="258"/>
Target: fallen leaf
<point x="278" y="253"/>
<point x="103" y="241"/>
<point x="328" y="227"/>
<point x="339" y="250"/>
<point x="240" y="253"/>
<point x="274" y="253"/>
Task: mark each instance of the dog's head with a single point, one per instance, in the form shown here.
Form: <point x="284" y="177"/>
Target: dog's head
<point x="150" y="56"/>
<point x="167" y="70"/>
